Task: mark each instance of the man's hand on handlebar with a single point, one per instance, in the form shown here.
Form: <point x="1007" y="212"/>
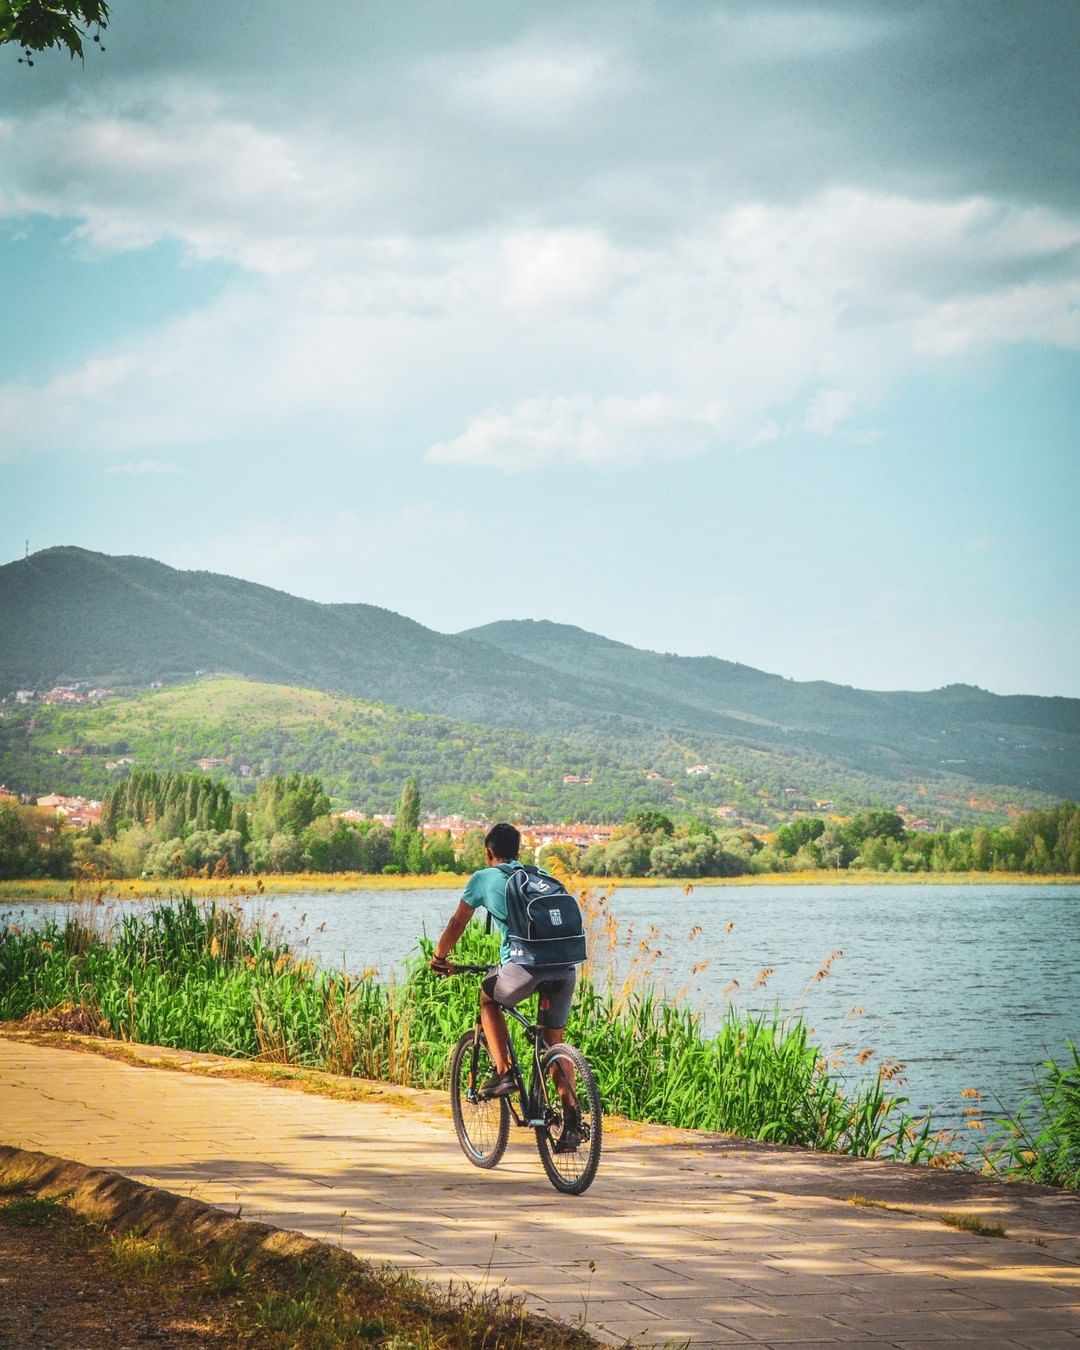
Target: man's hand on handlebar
<point x="441" y="965"/>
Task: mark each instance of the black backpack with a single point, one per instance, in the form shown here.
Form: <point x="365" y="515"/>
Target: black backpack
<point x="543" y="921"/>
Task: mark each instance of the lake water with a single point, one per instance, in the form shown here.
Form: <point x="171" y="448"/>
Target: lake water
<point x="968" y="986"/>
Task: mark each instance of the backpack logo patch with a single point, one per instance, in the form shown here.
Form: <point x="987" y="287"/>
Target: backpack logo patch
<point x="556" y="918"/>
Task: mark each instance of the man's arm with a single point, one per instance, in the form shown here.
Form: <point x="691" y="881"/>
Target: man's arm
<point x="459" y="921"/>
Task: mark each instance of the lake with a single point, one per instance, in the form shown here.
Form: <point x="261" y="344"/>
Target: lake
<point x="968" y="986"/>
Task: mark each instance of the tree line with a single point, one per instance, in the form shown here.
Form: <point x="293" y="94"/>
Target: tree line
<point x="170" y="825"/>
<point x="651" y="843"/>
<point x="178" y="824"/>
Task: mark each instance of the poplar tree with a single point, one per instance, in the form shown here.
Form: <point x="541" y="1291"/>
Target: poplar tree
<point x="407" y="826"/>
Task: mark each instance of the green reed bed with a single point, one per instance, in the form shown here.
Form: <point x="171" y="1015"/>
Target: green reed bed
<point x="758" y="1075"/>
<point x="1041" y="1142"/>
<point x="198" y="979"/>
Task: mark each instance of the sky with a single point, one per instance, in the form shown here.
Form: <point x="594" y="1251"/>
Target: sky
<point x="737" y="329"/>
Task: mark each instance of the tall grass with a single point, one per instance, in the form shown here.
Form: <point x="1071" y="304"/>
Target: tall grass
<point x="1041" y="1141"/>
<point x="199" y="977"/>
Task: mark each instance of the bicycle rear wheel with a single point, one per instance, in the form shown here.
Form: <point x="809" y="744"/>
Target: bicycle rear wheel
<point x="569" y="1145"/>
<point x="482" y="1125"/>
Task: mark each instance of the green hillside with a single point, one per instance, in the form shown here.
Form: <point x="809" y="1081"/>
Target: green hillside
<point x="574" y="700"/>
<point x="959" y="730"/>
<point x="363" y="751"/>
<point x="69" y="614"/>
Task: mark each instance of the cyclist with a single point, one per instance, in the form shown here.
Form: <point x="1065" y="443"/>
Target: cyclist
<point x="510" y="984"/>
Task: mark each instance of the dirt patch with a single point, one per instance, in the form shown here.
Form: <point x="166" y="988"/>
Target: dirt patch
<point x="62" y="1286"/>
<point x="92" y="1260"/>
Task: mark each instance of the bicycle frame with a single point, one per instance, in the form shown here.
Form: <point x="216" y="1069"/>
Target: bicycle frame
<point x="525" y="1109"/>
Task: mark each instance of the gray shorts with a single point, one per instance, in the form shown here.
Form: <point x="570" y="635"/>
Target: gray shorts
<point x="511" y="984"/>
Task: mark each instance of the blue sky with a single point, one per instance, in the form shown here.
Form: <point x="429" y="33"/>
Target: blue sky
<point x="740" y="329"/>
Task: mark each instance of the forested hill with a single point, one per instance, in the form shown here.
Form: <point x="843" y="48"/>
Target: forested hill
<point x="742" y="691"/>
<point x="1022" y="739"/>
<point x="67" y="614"/>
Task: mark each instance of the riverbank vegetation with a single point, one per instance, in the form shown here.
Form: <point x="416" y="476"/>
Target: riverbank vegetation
<point x="1041" y="1142"/>
<point x="202" y="978"/>
<point x="184" y="825"/>
<point x="100" y="890"/>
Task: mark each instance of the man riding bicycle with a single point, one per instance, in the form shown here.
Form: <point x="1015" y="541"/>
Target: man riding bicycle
<point x="511" y="983"/>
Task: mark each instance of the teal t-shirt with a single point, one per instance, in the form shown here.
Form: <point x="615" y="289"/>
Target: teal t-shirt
<point x="486" y="889"/>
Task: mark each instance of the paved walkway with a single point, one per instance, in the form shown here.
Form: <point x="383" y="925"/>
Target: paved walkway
<point x="681" y="1237"/>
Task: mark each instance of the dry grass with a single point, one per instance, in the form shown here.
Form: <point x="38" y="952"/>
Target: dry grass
<point x="213" y="1292"/>
<point x="861" y="1201"/>
<point x="229" y="888"/>
<point x="332" y="882"/>
<point x="971" y="1223"/>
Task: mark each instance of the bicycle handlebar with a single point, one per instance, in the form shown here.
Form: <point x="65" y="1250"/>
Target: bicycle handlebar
<point x="452" y="969"/>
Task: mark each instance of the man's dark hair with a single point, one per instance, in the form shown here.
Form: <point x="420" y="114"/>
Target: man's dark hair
<point x="503" y="840"/>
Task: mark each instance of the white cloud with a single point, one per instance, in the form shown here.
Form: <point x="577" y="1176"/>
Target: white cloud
<point x="827" y="409"/>
<point x="526" y="82"/>
<point x="553" y="269"/>
<point x="608" y="431"/>
<point x="570" y="344"/>
<point x="802" y="33"/>
<point x="767" y="432"/>
<point x="175" y="162"/>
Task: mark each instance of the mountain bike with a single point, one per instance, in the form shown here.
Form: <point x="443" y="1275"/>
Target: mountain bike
<point x="561" y="1103"/>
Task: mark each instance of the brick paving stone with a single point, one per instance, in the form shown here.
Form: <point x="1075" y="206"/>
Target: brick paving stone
<point x="848" y="1345"/>
<point x="713" y="1243"/>
<point x="1017" y="1320"/>
<point x="827" y="1305"/>
<point x="911" y="1326"/>
<point x="991" y="1343"/>
<point x="790" y="1327"/>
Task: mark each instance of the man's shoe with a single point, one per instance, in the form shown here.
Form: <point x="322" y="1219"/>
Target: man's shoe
<point x="499" y="1084"/>
<point x="571" y="1136"/>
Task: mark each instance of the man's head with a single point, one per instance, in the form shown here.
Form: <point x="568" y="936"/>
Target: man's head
<point x="503" y="842"/>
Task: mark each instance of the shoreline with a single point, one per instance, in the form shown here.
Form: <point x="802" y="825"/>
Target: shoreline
<point x="293" y="883"/>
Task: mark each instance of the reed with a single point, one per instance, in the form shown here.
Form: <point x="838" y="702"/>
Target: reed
<point x="199" y="978"/>
<point x="1041" y="1141"/>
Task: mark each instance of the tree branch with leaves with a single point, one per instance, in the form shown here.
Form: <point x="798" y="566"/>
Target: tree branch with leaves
<point x="36" y="25"/>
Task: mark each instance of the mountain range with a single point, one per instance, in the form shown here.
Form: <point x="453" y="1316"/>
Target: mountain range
<point x="67" y="614"/>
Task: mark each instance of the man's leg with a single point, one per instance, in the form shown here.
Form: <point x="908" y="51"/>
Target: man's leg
<point x="493" y="1021"/>
<point x="559" y="1076"/>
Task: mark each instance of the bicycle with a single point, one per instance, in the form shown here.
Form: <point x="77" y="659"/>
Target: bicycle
<point x="561" y="1079"/>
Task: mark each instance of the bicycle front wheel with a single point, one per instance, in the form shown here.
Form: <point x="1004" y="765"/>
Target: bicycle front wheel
<point x="482" y="1124"/>
<point x="569" y="1140"/>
